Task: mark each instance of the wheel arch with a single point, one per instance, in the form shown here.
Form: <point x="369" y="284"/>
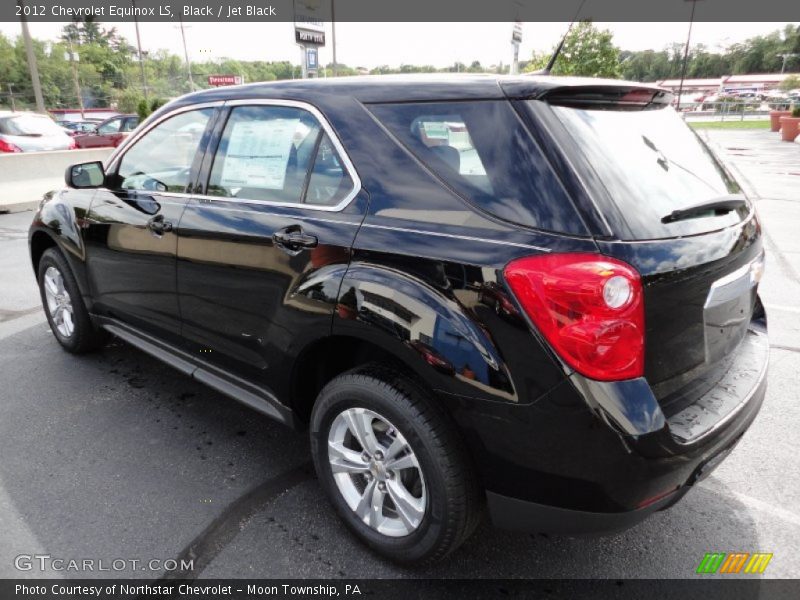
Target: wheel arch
<point x="56" y="224"/>
<point x="330" y="356"/>
<point x="40" y="241"/>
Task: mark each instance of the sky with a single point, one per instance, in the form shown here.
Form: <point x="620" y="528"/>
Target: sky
<point x="374" y="44"/>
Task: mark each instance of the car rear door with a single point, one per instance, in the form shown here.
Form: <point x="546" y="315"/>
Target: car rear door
<point x="132" y="226"/>
<point x="263" y="247"/>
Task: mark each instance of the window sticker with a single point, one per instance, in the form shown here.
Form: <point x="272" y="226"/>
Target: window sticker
<point x="258" y="154"/>
<point x="435" y="130"/>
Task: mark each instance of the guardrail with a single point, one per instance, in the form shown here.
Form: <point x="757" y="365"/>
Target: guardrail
<point x="25" y="177"/>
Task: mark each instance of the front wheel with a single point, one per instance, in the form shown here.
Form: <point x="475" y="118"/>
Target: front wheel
<point x="393" y="466"/>
<point x="69" y="320"/>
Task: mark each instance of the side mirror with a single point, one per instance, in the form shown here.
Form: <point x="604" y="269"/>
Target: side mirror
<point x="86" y="175"/>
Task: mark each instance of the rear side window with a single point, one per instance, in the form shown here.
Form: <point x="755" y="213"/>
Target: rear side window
<point x="652" y="164"/>
<point x="484" y="153"/>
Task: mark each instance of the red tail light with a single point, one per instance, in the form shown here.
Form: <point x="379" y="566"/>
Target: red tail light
<point x="8" y="147"/>
<point x="588" y="307"/>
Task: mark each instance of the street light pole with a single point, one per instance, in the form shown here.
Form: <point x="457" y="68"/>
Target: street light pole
<point x="784" y="57"/>
<point x="333" y="37"/>
<point x="37" y="86"/>
<point x="75" y="81"/>
<point x="686" y="54"/>
<point x="139" y="46"/>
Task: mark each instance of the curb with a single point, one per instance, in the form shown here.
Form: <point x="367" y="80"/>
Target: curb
<point x="14" y="207"/>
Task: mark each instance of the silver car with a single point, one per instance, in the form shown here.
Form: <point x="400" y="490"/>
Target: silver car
<point x="31" y="132"/>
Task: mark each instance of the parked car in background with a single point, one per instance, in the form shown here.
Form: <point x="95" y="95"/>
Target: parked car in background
<point x="110" y="132"/>
<point x="537" y="294"/>
<point x="31" y="132"/>
<point x="78" y="127"/>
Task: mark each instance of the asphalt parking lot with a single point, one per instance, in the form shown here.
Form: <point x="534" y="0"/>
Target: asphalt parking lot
<point x="116" y="456"/>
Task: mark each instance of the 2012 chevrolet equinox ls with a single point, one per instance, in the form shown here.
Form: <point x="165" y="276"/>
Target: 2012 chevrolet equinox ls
<point x="533" y="294"/>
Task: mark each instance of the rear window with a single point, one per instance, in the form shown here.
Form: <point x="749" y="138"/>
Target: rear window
<point x="483" y="152"/>
<point x="29" y="125"/>
<point x="651" y="163"/>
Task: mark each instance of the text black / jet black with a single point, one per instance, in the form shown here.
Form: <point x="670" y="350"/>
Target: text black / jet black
<point x="535" y="294"/>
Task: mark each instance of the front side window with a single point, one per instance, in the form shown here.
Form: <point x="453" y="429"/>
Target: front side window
<point x="162" y="159"/>
<point x="278" y="154"/>
<point x="110" y="127"/>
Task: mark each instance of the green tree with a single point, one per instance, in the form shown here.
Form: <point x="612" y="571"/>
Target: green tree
<point x="588" y="52"/>
<point x="790" y="83"/>
<point x="128" y="101"/>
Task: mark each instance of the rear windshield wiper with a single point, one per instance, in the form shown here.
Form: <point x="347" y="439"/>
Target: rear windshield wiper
<point x="718" y="207"/>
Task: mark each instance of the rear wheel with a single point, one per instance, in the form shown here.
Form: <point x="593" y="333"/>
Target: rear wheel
<point x="69" y="320"/>
<point x="392" y="466"/>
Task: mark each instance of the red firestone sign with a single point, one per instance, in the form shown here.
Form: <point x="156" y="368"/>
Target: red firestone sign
<point x="218" y="80"/>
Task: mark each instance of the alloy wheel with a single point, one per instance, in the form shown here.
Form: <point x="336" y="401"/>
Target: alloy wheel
<point x="59" y="302"/>
<point x="377" y="472"/>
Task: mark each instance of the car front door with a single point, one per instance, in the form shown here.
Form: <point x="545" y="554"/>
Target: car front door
<point x="104" y="135"/>
<point x="132" y="226"/>
<point x="128" y="125"/>
<point x="262" y="251"/>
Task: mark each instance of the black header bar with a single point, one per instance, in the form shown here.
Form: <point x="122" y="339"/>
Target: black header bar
<point x="403" y="10"/>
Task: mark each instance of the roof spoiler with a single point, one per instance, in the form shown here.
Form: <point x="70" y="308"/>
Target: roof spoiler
<point x="603" y="95"/>
<point x="614" y="97"/>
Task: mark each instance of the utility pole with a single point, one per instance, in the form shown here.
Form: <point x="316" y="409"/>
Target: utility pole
<point x="76" y="82"/>
<point x="11" y="97"/>
<point x="186" y="54"/>
<point x="139" y="46"/>
<point x="37" y="86"/>
<point x="333" y="38"/>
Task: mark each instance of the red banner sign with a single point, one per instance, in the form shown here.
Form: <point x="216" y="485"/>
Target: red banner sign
<point x="218" y="80"/>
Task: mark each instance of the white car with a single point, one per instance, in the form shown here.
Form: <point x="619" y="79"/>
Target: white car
<point x="31" y="132"/>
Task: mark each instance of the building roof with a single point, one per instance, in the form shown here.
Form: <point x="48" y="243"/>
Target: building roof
<point x="755" y="78"/>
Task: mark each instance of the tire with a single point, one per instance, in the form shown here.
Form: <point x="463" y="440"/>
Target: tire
<point x="435" y="483"/>
<point x="63" y="304"/>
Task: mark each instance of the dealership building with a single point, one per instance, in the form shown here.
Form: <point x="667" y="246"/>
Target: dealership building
<point x="761" y="82"/>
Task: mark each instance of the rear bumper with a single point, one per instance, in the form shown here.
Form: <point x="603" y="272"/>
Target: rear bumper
<point x="555" y="466"/>
<point x="521" y="515"/>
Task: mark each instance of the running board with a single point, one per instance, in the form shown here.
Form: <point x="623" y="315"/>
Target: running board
<point x="255" y="397"/>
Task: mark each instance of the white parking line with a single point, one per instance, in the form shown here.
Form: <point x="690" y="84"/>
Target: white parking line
<point x="754" y="503"/>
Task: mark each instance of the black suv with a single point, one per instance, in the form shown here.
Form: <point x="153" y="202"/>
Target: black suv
<point x="532" y="294"/>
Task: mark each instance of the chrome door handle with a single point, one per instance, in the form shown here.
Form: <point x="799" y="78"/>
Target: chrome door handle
<point x="158" y="225"/>
<point x="294" y="240"/>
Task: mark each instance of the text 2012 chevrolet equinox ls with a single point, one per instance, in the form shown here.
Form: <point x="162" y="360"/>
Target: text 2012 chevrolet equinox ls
<point x="532" y="294"/>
